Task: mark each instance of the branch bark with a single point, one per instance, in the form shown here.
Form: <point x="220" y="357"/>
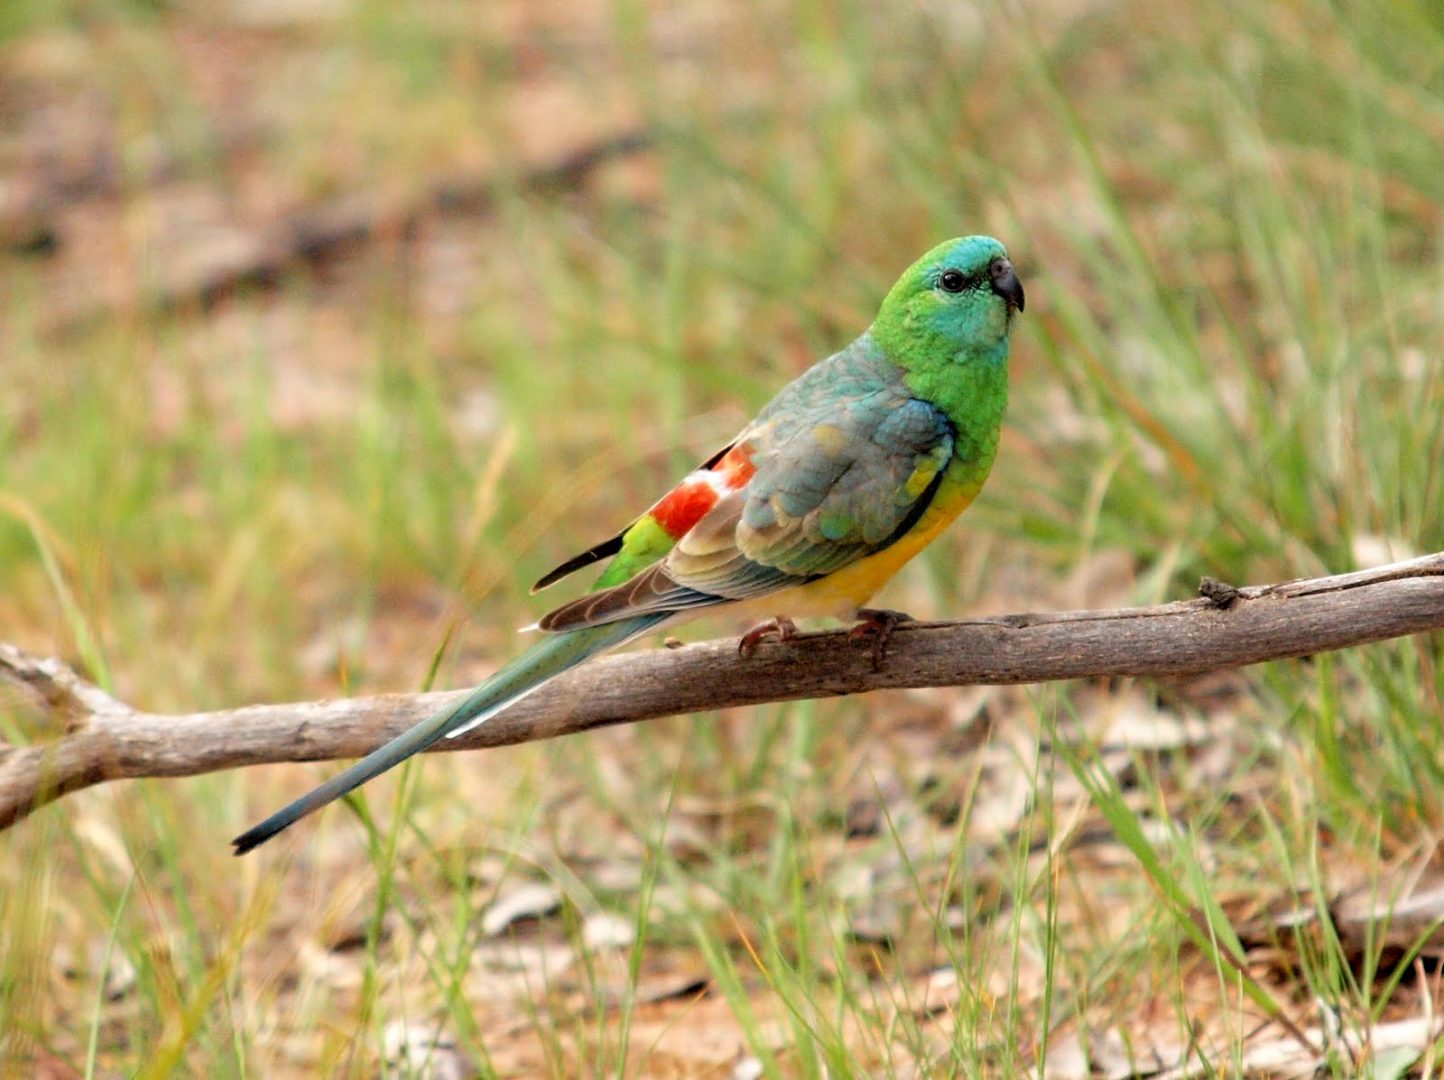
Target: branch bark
<point x="107" y="740"/>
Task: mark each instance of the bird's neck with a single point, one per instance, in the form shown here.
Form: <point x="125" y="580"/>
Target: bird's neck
<point x="969" y="384"/>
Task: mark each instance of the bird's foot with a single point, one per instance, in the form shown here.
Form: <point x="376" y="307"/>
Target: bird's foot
<point x="878" y="624"/>
<point x="782" y="628"/>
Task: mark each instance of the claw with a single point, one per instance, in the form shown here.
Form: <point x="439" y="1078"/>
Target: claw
<point x="782" y="628"/>
<point x="877" y="623"/>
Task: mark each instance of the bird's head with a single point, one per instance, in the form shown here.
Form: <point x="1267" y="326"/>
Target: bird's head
<point x="960" y="296"/>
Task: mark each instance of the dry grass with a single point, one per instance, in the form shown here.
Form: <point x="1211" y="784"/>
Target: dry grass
<point x="1229" y="225"/>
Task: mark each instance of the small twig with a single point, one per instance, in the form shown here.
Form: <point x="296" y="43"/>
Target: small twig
<point x="263" y="255"/>
<point x="111" y="741"/>
<point x="56" y="689"/>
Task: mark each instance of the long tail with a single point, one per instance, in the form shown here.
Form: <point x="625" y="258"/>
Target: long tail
<point x="534" y="668"/>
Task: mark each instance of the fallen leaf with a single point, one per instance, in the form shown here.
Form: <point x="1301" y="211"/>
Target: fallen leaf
<point x="605" y="930"/>
<point x="411" y="1049"/>
<point x="532" y="900"/>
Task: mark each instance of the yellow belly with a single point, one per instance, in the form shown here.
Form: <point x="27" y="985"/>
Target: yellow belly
<point x="839" y="595"/>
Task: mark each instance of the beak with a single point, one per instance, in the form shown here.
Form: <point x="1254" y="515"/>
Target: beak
<point x="1006" y="283"/>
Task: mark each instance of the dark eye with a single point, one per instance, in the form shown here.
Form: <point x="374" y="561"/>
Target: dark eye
<point x="952" y="281"/>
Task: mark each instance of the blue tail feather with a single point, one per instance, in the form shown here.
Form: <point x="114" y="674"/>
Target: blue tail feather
<point x="532" y="669"/>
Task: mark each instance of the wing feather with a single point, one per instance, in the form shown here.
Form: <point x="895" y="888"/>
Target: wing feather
<point x="841" y="481"/>
<point x="612" y="544"/>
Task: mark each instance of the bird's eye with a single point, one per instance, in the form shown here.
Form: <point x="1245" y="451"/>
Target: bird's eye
<point x="952" y="281"/>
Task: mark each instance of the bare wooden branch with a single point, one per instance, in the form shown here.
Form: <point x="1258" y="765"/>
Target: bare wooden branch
<point x="107" y="740"/>
<point x="260" y="256"/>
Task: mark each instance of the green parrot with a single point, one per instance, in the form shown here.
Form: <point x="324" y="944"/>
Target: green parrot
<point x="847" y="474"/>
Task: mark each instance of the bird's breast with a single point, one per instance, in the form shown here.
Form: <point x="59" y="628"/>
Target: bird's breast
<point x="840" y="594"/>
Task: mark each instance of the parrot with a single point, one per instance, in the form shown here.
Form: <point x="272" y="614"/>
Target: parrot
<point x="850" y="471"/>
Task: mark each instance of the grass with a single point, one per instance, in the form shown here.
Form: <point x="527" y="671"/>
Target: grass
<point x="1229" y="224"/>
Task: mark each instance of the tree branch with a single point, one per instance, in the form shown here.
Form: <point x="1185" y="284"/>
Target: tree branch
<point x="262" y="254"/>
<point x="107" y="740"/>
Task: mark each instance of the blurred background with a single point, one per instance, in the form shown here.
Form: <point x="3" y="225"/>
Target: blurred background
<point x="327" y="326"/>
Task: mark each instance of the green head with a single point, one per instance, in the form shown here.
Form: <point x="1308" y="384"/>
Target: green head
<point x="956" y="301"/>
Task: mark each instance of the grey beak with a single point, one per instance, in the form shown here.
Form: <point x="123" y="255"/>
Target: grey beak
<point x="1006" y="283"/>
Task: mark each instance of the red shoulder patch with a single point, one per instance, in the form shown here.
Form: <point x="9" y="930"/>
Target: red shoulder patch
<point x="735" y="467"/>
<point x="688" y="502"/>
<point x="685" y="505"/>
